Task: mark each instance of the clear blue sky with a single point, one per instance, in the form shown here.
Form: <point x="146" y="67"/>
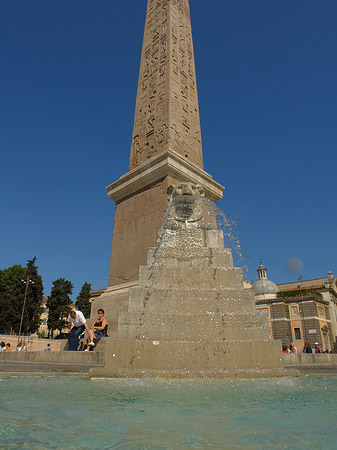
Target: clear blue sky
<point x="267" y="83"/>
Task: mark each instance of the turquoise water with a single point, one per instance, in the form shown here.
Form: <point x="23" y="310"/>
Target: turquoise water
<point x="64" y="412"/>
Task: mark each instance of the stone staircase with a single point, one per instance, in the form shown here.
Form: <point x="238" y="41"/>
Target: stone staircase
<point x="53" y="362"/>
<point x="190" y="316"/>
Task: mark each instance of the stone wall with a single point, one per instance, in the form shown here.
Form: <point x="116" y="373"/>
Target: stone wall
<point x="52" y="362"/>
<point x="310" y="359"/>
<point x="279" y="313"/>
<point x="34" y="344"/>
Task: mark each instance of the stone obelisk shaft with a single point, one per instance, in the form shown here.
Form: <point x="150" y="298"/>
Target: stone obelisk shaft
<point x="166" y="141"/>
<point x="167" y="111"/>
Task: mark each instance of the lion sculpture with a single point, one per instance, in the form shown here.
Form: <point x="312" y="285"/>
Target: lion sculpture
<point x="185" y="207"/>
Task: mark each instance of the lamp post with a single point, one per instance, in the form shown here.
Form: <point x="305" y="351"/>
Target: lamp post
<point x="26" y="281"/>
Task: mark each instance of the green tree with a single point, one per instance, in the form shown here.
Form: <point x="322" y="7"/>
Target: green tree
<point x="34" y="300"/>
<point x="12" y="293"/>
<point x="82" y="300"/>
<point x="59" y="304"/>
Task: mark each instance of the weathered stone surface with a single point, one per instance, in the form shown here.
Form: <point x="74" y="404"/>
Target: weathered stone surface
<point x="191" y="327"/>
<point x="167" y="111"/>
<point x="52" y="362"/>
<point x="136" y="223"/>
<point x="192" y="358"/>
<point x="194" y="301"/>
<point x="186" y="319"/>
<point x="113" y="301"/>
<point x="189" y="276"/>
<point x="216" y="257"/>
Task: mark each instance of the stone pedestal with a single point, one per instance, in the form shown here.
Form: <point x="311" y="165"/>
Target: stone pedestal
<point x="189" y="316"/>
<point x="141" y="203"/>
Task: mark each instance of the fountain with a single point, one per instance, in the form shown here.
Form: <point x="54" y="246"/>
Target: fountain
<point x="183" y="311"/>
<point x="190" y="316"/>
<point x="122" y="414"/>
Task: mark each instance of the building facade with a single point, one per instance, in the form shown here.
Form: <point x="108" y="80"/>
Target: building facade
<point x="325" y="311"/>
<point x="304" y="311"/>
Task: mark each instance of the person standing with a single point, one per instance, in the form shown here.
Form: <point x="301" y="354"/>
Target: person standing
<point x="77" y="319"/>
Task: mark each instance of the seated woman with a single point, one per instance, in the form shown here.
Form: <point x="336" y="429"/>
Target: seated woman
<point x="99" y="329"/>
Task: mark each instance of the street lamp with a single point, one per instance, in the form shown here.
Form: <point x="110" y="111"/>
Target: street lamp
<point x="26" y="281"/>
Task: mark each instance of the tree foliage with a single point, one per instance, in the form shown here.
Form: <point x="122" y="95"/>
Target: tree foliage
<point x="299" y="293"/>
<point x="59" y="304"/>
<point x="33" y="309"/>
<point x="82" y="300"/>
<point x="12" y="293"/>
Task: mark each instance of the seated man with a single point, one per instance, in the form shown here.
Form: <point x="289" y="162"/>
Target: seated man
<point x="77" y="319"/>
<point x="99" y="329"/>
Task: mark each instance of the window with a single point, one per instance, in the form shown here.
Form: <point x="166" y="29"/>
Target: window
<point x="294" y="311"/>
<point x="297" y="332"/>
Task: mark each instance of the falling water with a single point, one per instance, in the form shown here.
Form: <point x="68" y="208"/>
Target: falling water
<point x="195" y="212"/>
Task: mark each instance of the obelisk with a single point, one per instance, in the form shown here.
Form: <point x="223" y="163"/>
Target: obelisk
<point x="166" y="141"/>
<point x="188" y="314"/>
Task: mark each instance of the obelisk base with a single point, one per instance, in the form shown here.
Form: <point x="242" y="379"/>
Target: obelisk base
<point x="190" y="317"/>
<point x="141" y="203"/>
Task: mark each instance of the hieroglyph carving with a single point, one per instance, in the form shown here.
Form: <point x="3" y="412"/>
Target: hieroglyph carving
<point x="167" y="112"/>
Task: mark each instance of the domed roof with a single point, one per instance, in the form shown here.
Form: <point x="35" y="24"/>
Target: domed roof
<point x="263" y="285"/>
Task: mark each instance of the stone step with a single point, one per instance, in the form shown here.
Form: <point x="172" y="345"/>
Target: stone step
<point x="187" y="238"/>
<point x="190" y="257"/>
<point x="209" y="326"/>
<point x="191" y="301"/>
<point x="189" y="277"/>
<point x="194" y="373"/>
<point x="112" y="301"/>
<point x="194" y="355"/>
<point x="41" y="361"/>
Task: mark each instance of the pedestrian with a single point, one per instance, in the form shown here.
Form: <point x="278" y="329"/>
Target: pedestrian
<point x="77" y="320"/>
<point x="317" y="348"/>
<point x="8" y="349"/>
<point x="3" y="347"/>
<point x="292" y="348"/>
<point x="307" y="348"/>
<point x="47" y="349"/>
